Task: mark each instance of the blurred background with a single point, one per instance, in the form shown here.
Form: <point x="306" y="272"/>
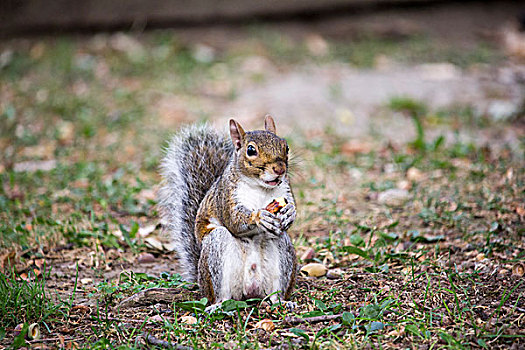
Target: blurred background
<point x="66" y="65"/>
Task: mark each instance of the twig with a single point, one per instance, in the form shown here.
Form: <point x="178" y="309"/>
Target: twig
<point x="115" y="319"/>
<point x="150" y="296"/>
<point x="45" y="340"/>
<point x="297" y="320"/>
<point x="165" y="344"/>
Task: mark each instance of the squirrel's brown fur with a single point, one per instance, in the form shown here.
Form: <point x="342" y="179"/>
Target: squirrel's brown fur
<point x="243" y="250"/>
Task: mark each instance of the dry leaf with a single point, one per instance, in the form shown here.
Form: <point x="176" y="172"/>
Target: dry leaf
<point x="314" y="270"/>
<point x="328" y="257"/>
<point x="7" y="259"/>
<point x="480" y="257"/>
<point x="309" y="254"/>
<point x="393" y="197"/>
<point x="83" y="309"/>
<point x="188" y="319"/>
<point x="354" y="147"/>
<point x="404" y="185"/>
<point x="317" y="45"/>
<point x="154" y="243"/>
<point x="266" y="324"/>
<point x="146" y="230"/>
<point x="414" y="174"/>
<point x="32" y="166"/>
<point x="86" y="280"/>
<point x="156" y="318"/>
<point x="518" y="270"/>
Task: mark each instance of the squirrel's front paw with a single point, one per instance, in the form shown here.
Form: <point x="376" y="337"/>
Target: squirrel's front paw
<point x="287" y="216"/>
<point x="270" y="223"/>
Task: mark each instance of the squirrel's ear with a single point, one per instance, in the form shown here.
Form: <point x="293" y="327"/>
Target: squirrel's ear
<point x="269" y="124"/>
<point x="236" y="133"/>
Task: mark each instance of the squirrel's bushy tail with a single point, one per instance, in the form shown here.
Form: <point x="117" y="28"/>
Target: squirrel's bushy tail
<point x="194" y="159"/>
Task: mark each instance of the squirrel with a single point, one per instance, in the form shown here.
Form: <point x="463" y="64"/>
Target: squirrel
<point x="213" y="204"/>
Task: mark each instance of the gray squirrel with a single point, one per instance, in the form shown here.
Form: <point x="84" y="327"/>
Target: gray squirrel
<point x="214" y="201"/>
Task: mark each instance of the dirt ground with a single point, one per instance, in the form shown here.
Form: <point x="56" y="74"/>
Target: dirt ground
<point x="408" y="172"/>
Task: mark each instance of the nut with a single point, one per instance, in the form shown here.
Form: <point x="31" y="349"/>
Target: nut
<point x="276" y="205"/>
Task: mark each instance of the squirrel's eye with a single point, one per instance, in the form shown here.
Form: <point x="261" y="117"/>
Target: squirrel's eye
<point x="251" y="151"/>
<point x="287" y="149"/>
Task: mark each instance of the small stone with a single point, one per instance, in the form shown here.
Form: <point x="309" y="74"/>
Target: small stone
<point x="145" y="258"/>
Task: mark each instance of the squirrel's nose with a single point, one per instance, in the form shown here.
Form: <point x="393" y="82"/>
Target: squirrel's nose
<point x="279" y="170"/>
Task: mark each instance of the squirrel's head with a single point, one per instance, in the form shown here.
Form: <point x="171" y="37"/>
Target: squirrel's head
<point x="261" y="154"/>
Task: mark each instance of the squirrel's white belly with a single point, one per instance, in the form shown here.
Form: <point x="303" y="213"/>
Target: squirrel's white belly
<point x="255" y="197"/>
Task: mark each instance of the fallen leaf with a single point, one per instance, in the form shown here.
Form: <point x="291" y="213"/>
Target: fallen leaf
<point x="86" y="280"/>
<point x="354" y="147"/>
<point x="32" y="166"/>
<point x="147" y="194"/>
<point x="146" y="230"/>
<point x="7" y="259"/>
<point x="480" y="257"/>
<point x="154" y="243"/>
<point x="188" y="319"/>
<point x="518" y="270"/>
<point x="309" y="254"/>
<point x="156" y="318"/>
<point x="83" y="309"/>
<point x="328" y="257"/>
<point x="265" y="324"/>
<point x="314" y="270"/>
<point x="393" y="197"/>
<point x="414" y="174"/>
<point x="317" y="45"/>
<point x="404" y="185"/>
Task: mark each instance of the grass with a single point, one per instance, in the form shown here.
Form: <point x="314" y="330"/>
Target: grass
<point x="435" y="272"/>
<point x="25" y="301"/>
